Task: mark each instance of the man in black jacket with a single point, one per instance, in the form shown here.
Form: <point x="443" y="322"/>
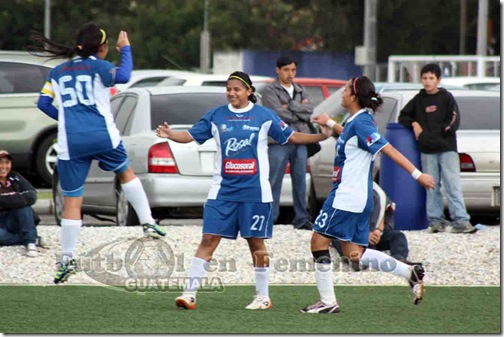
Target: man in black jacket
<point x="17" y="219"/>
<point x="434" y="117"/>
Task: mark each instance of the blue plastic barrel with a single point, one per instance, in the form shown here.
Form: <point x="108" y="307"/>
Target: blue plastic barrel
<point x="408" y="195"/>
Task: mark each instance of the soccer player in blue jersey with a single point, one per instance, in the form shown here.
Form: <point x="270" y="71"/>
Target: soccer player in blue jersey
<point x="240" y="198"/>
<point x="346" y="211"/>
<point x="86" y="128"/>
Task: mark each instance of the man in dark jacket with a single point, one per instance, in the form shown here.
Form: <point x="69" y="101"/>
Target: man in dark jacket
<point x="17" y="219"/>
<point x="434" y="116"/>
<point x="292" y="104"/>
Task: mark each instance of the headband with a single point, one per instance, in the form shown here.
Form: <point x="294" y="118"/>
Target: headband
<point x="355" y="86"/>
<point x="241" y="79"/>
<point x="104" y="36"/>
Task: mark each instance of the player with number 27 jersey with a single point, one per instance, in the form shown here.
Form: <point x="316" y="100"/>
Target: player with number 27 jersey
<point x="241" y="162"/>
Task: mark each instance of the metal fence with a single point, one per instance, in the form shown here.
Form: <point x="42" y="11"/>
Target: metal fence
<point x="403" y="68"/>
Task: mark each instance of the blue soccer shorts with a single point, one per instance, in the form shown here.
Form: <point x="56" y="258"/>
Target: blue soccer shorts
<point x="227" y="218"/>
<point x="73" y="172"/>
<point x="343" y="225"/>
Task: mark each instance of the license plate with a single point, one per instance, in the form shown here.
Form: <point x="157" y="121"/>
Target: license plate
<point x="496" y="199"/>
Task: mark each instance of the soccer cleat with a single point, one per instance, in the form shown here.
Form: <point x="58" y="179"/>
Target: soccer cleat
<point x="321" y="308"/>
<point x="65" y="270"/>
<point x="260" y="303"/>
<point x="416" y="283"/>
<point x="186" y="301"/>
<point x="153" y="230"/>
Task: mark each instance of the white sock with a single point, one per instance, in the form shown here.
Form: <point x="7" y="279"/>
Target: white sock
<point x="324" y="279"/>
<point x="69" y="236"/>
<point x="383" y="262"/>
<point x="261" y="280"/>
<point x="135" y="194"/>
<point x="198" y="271"/>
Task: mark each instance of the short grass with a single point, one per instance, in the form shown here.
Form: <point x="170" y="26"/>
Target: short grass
<point x="90" y="309"/>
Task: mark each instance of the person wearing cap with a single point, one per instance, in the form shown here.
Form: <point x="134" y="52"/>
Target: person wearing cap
<point x="240" y="197"/>
<point x="17" y="218"/>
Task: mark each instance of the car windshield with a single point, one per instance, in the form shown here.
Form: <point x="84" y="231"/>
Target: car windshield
<point x="184" y="108"/>
<point x="479" y="113"/>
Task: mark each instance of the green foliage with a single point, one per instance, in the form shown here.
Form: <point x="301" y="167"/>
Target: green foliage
<point x="166" y="33"/>
<point x="370" y="310"/>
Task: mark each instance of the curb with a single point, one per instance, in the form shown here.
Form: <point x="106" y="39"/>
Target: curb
<point x="43" y="206"/>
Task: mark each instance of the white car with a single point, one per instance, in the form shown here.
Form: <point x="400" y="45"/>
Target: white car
<point x="478" y="139"/>
<point x="146" y="78"/>
<point x="473" y="83"/>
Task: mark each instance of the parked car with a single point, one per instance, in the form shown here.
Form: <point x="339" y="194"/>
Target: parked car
<point x="146" y="78"/>
<point x="478" y="145"/>
<point x="176" y="177"/>
<point x="473" y="83"/>
<point x="26" y="132"/>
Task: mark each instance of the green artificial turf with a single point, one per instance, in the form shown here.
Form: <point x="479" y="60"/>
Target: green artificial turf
<point x="373" y="309"/>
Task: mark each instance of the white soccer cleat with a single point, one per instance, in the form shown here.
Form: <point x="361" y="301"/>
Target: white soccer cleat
<point x="321" y="308"/>
<point x="186" y="301"/>
<point x="260" y="303"/>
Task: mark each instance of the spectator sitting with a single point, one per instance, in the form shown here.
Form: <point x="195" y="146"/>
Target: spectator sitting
<point x="382" y="235"/>
<point x="17" y="218"/>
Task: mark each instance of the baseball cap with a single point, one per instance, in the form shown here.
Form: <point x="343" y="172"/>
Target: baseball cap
<point x="4" y="153"/>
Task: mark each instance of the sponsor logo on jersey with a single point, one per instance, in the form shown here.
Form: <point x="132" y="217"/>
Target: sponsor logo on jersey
<point x="336" y="175"/>
<point x="233" y="145"/>
<point x="250" y="128"/>
<point x="430" y="108"/>
<point x="372" y="138"/>
<point x="225" y="128"/>
<point x="283" y="125"/>
<point x="240" y="166"/>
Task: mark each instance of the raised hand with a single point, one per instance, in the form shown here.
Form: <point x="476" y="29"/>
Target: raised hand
<point x="122" y="40"/>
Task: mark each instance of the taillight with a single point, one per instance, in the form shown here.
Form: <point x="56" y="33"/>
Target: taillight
<point x="466" y="163"/>
<point x="161" y="159"/>
<point x="287" y="168"/>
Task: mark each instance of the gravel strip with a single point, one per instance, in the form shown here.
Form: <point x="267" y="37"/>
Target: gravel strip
<point x="449" y="259"/>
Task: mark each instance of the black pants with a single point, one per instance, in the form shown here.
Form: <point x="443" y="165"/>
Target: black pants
<point x="392" y="240"/>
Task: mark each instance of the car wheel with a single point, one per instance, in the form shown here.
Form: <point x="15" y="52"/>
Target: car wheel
<point x="58" y="199"/>
<point x="46" y="158"/>
<point x="125" y="214"/>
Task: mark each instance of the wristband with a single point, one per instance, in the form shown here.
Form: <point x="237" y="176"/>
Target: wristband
<point x="416" y="174"/>
<point x="330" y="123"/>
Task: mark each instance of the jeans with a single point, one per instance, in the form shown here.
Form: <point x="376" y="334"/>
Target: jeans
<point x="392" y="240"/>
<point x="445" y="168"/>
<point x="17" y="227"/>
<point x="297" y="155"/>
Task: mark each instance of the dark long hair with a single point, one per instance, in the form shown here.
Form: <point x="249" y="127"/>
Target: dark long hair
<point x="364" y="89"/>
<point x="88" y="41"/>
<point x="246" y="82"/>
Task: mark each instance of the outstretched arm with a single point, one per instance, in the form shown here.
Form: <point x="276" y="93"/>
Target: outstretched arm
<point x="308" y="138"/>
<point x="423" y="179"/>
<point x="324" y="119"/>
<point x="164" y="131"/>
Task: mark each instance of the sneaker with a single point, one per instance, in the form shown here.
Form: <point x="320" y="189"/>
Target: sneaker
<point x="466" y="228"/>
<point x="186" y="301"/>
<point x="416" y="283"/>
<point x="436" y="227"/>
<point x="260" y="303"/>
<point x="40" y="242"/>
<point x="321" y="308"/>
<point x="67" y="267"/>
<point x="153" y="230"/>
<point x="31" y="250"/>
<point x="306" y="226"/>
